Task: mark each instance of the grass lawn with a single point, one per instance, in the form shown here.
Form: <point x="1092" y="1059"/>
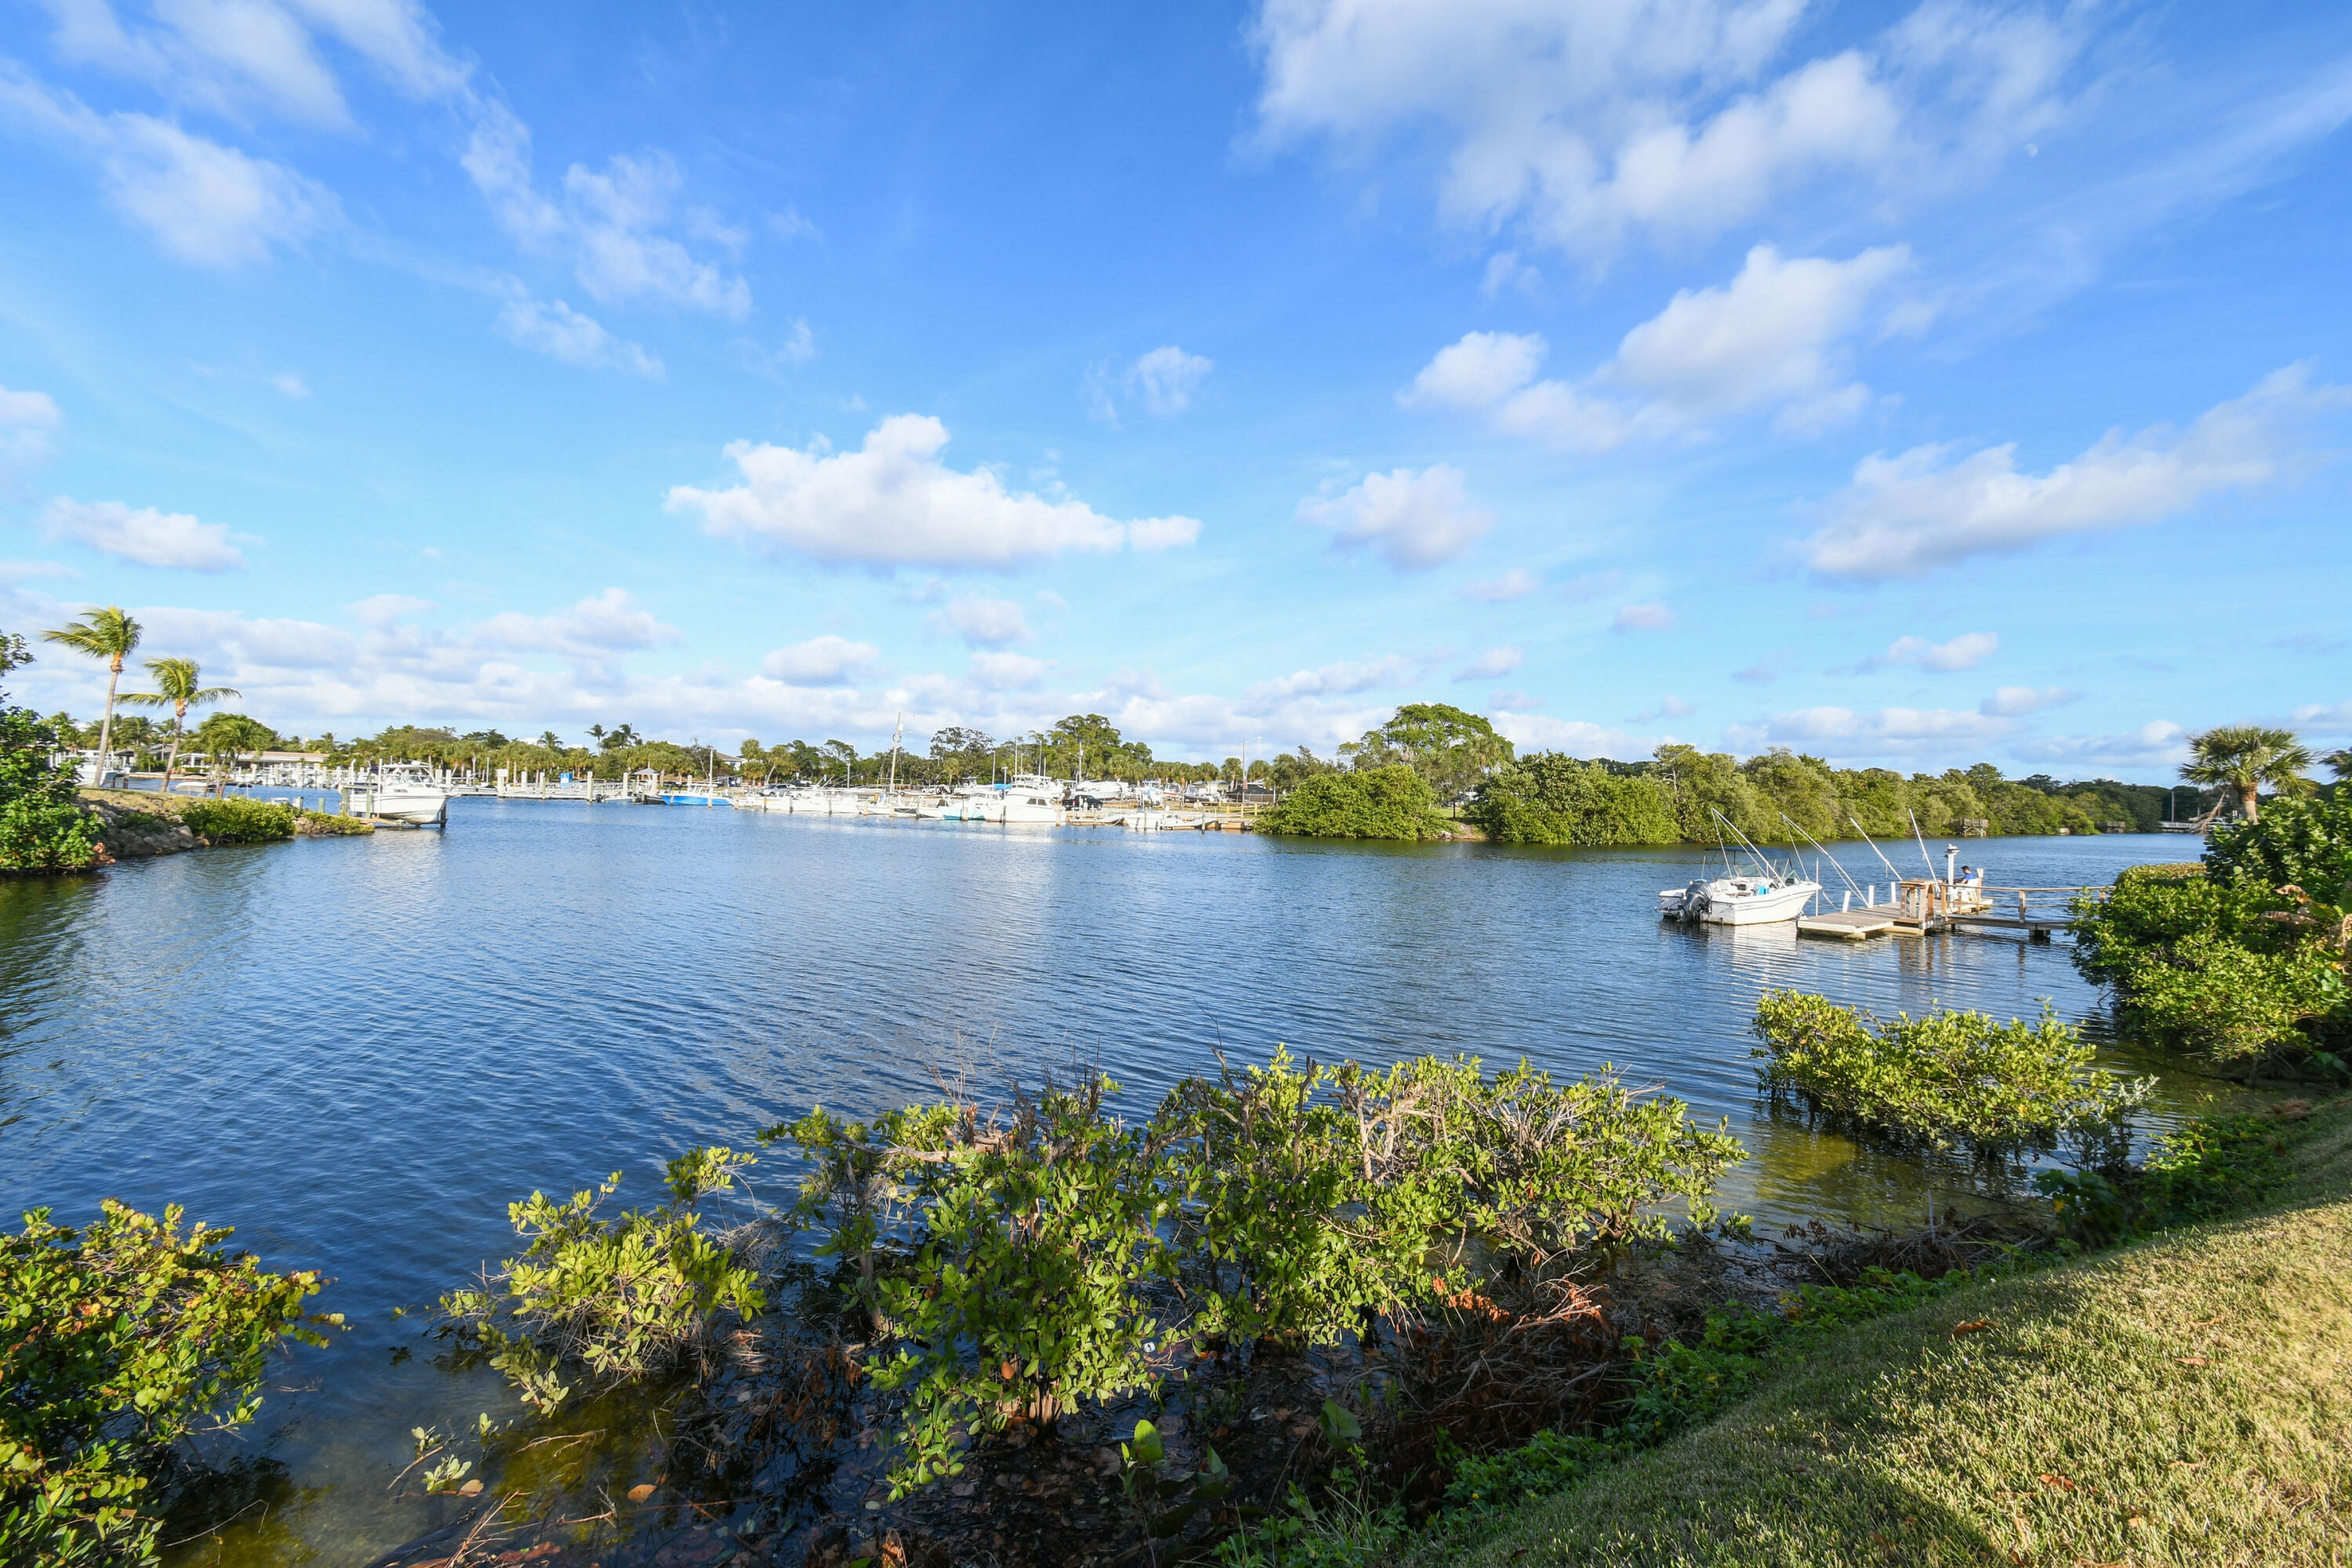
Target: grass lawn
<point x="2187" y="1400"/>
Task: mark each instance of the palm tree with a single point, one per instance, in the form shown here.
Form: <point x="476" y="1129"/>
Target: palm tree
<point x="2341" y="760"/>
<point x="108" y="633"/>
<point x="2245" y="757"/>
<point x="179" y="687"/>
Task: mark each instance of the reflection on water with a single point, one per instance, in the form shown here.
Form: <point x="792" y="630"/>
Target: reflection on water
<point x="359" y="1051"/>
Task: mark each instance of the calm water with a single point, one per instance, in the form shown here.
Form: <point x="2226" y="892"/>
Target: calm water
<point x="358" y="1052"/>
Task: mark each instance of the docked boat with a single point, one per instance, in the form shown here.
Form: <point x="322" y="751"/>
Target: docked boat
<point x="408" y="792"/>
<point x="1739" y="900"/>
<point x="1030" y="798"/>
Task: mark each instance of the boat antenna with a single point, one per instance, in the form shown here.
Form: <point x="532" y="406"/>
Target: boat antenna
<point x="1741" y="837"/>
<point x="1816" y="843"/>
<point x="1923" y="843"/>
<point x="1874" y="850"/>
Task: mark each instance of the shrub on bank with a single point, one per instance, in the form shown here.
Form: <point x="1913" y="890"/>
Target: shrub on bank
<point x="235" y="819"/>
<point x="1393" y="802"/>
<point x="2239" y="962"/>
<point x="43" y="828"/>
<point x="1948" y="1077"/>
<point x="116" y="1342"/>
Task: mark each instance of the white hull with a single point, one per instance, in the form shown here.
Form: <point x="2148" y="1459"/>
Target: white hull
<point x="1739" y="901"/>
<point x="410" y="805"/>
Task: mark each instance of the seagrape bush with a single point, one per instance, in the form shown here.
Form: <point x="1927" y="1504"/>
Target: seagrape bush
<point x="235" y="819"/>
<point x="2239" y="960"/>
<point x="1391" y="802"/>
<point x="1950" y="1077"/>
<point x="117" y="1341"/>
<point x="1019" y="1263"/>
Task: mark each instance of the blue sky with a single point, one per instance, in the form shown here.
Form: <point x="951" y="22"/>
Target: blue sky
<point x="1913" y="385"/>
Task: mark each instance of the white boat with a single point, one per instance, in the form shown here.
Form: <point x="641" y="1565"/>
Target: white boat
<point x="1030" y="798"/>
<point x="1762" y="900"/>
<point x="408" y="792"/>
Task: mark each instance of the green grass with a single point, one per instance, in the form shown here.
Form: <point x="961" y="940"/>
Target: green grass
<point x="2184" y="1400"/>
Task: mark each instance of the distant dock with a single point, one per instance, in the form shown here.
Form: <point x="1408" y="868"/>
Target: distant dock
<point x="1924" y="906"/>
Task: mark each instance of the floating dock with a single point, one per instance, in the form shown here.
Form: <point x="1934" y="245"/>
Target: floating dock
<point x="1853" y="925"/>
<point x="1934" y="905"/>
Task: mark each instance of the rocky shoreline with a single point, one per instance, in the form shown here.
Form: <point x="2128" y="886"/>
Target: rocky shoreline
<point x="140" y="826"/>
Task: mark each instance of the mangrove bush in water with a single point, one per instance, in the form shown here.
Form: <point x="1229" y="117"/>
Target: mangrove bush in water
<point x="2239" y="960"/>
<point x="1015" y="1263"/>
<point x="615" y="1298"/>
<point x="1946" y="1078"/>
<point x="116" y="1342"/>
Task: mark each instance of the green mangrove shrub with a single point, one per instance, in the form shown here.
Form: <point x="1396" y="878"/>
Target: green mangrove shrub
<point x="117" y="1341"/>
<point x="236" y="819"/>
<point x="1947" y="1078"/>
<point x="1019" y="1264"/>
<point x="619" y="1298"/>
<point x="1391" y="802"/>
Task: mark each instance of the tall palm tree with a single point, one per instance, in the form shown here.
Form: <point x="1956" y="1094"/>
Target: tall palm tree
<point x="2245" y="757"/>
<point x="105" y="632"/>
<point x="2341" y="760"/>
<point x="179" y="686"/>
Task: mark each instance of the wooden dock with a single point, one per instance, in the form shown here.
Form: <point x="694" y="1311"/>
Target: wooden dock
<point x="1853" y="925"/>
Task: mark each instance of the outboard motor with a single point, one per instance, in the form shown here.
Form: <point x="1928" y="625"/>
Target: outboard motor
<point x="1694" y="903"/>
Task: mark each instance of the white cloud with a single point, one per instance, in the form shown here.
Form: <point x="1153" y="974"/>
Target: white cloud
<point x="1965" y="651"/>
<point x="984" y="623"/>
<point x="827" y="660"/>
<point x="1765" y="670"/>
<point x="1165" y="379"/>
<point x="892" y="502"/>
<point x="1515" y="584"/>
<point x="1579" y="123"/>
<point x="597" y="627"/>
<point x="2156" y="743"/>
<point x="2017" y="702"/>
<point x="1773" y="338"/>
<point x="204" y="202"/>
<point x="1650" y="617"/>
<point x="292" y="384"/>
<point x="610" y="224"/>
<point x="1168" y="377"/>
<point x="1007" y="671"/>
<point x="383" y="609"/>
<point x="230" y="56"/>
<point x="146" y="536"/>
<point x="27" y="421"/>
<point x="1816" y="726"/>
<point x="1493" y="662"/>
<point x="1907" y="515"/>
<point x="2336" y="716"/>
<point x="1340" y="679"/>
<point x="1415" y="520"/>
<point x="1539" y="732"/>
<point x="554" y="329"/>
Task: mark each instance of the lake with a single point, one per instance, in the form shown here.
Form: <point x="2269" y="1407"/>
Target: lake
<point x="359" y="1051"/>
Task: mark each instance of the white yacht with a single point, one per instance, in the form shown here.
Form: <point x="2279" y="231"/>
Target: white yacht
<point x="408" y="792"/>
<point x="1029" y="798"/>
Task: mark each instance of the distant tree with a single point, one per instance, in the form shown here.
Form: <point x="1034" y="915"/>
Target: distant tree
<point x="108" y="633"/>
<point x="1449" y="746"/>
<point x="546" y="739"/>
<point x="234" y="734"/>
<point x="179" y="686"/>
<point x="2340" y="761"/>
<point x="620" y="735"/>
<point x="1391" y="802"/>
<point x="2242" y="758"/>
<point x="43" y="826"/>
